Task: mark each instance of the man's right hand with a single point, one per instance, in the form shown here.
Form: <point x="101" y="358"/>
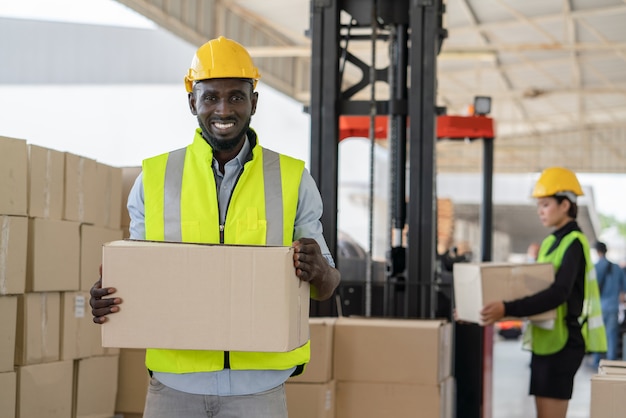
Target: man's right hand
<point x="100" y="306"/>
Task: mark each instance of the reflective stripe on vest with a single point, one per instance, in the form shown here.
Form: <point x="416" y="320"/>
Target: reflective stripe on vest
<point x="273" y="197"/>
<point x="171" y="195"/>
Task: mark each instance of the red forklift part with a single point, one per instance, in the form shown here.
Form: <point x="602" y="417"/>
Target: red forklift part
<point x="448" y="127"/>
<point x="359" y="126"/>
<point x="461" y="127"/>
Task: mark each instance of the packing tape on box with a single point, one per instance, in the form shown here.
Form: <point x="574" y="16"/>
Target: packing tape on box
<point x="4" y="249"/>
<point x="44" y="323"/>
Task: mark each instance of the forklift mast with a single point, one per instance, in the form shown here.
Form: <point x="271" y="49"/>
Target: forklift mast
<point x="414" y="33"/>
<point x="413" y="30"/>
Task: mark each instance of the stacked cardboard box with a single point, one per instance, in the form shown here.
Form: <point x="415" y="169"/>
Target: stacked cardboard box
<point x="608" y="390"/>
<point x="312" y="394"/>
<point x="13" y="250"/>
<point x="48" y="343"/>
<point x="393" y="368"/>
<point x="8" y="377"/>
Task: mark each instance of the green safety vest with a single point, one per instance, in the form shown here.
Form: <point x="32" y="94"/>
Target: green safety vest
<point x="181" y="205"/>
<point x="548" y="341"/>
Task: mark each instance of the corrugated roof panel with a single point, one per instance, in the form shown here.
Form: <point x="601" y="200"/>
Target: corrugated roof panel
<point x="610" y="26"/>
<point x="594" y="4"/>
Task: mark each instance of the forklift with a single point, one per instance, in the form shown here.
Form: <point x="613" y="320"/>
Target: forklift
<point x="409" y="284"/>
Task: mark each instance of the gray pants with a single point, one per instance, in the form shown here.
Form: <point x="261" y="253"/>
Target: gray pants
<point x="164" y="402"/>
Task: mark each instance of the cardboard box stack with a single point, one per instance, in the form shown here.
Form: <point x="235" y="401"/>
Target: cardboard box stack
<point x="393" y="368"/>
<point x="312" y="394"/>
<point x="358" y="367"/>
<point x="56" y="211"/>
<point x="608" y="390"/>
<point x="13" y="250"/>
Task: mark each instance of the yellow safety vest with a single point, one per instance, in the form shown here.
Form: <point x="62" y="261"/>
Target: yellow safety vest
<point x="549" y="341"/>
<point x="181" y="205"/>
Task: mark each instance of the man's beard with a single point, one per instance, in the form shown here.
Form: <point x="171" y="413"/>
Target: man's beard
<point x="223" y="144"/>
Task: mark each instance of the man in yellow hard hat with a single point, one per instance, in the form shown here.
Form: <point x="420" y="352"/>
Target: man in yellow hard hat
<point x="225" y="188"/>
<point x="558" y="346"/>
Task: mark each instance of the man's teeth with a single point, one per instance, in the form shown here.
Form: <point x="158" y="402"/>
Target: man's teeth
<point x="221" y="125"/>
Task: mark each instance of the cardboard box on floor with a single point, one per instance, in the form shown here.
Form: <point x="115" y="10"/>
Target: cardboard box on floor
<point x="13" y="254"/>
<point x="608" y="398"/>
<point x="311" y="400"/>
<point x="476" y="284"/>
<point x="45" y="390"/>
<point x="213" y="297"/>
<point x="95" y="386"/>
<point x="320" y="367"/>
<point x="8" y="315"/>
<point x="398" y="400"/>
<point x="410" y="351"/>
<point x="8" y="394"/>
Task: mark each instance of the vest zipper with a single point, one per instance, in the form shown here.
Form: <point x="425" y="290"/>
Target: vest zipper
<point x="226" y="353"/>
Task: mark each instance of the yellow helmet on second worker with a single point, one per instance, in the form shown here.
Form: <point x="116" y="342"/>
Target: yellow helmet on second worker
<point x="557" y="180"/>
<point x="221" y="58"/>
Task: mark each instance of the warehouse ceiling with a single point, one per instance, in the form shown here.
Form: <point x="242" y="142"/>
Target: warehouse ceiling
<point x="555" y="70"/>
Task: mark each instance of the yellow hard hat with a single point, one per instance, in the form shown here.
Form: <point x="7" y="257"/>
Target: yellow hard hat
<point x="221" y="58"/>
<point x="554" y="180"/>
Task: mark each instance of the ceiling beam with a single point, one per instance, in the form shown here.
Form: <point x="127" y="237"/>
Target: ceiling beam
<point x="576" y="14"/>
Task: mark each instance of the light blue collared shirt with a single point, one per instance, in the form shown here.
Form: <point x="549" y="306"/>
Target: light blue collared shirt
<point x="307" y="224"/>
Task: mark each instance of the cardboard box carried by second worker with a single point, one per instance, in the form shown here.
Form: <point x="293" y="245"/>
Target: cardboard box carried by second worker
<point x="204" y="297"/>
<point x="476" y="284"/>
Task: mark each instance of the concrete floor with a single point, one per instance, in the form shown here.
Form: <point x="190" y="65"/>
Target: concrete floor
<point x="511" y="375"/>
